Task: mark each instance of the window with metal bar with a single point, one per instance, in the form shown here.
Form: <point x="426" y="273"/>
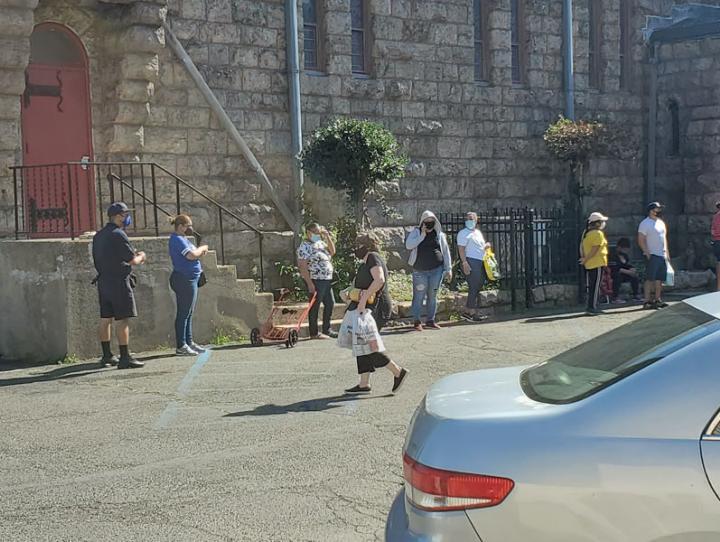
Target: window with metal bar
<point x="358" y="23"/>
<point x="517" y="39"/>
<point x="311" y="35"/>
<point x="594" y="37"/>
<point x="625" y="43"/>
<point x="481" y="45"/>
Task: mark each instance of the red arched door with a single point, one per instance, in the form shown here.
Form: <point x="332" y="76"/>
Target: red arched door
<point x="56" y="129"/>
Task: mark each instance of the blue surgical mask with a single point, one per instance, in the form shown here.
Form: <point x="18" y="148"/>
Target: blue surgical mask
<point x="127" y="221"/>
<point x="315" y="237"/>
<point x="470" y="224"/>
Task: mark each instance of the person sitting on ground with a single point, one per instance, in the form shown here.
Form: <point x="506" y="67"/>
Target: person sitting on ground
<point x="315" y="264"/>
<point x="623" y="271"/>
<point x="370" y="280"/>
<point x="184" y="281"/>
<point x="472" y="246"/>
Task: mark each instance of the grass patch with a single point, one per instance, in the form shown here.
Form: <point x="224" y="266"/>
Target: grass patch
<point x="222" y="337"/>
<point x="68" y="359"/>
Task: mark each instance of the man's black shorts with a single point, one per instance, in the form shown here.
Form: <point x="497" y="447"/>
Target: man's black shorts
<point x="116" y="298"/>
<point x="656" y="268"/>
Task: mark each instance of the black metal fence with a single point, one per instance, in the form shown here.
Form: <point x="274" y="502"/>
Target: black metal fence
<point x="66" y="200"/>
<point x="533" y="247"/>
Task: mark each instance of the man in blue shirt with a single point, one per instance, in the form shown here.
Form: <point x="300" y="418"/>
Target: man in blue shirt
<point x="114" y="258"/>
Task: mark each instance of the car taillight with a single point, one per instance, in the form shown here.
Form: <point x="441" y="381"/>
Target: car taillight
<point x="441" y="490"/>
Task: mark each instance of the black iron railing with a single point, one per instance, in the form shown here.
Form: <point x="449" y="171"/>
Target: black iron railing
<point x="534" y="247"/>
<point x="66" y="200"/>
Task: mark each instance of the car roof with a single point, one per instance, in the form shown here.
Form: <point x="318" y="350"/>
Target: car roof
<point x="707" y="303"/>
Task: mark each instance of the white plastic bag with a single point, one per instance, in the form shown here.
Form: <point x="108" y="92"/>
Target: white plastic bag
<point x="345" y="335"/>
<point x="670" y="277"/>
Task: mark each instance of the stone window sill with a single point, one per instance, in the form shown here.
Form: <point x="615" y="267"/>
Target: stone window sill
<point x="315" y="73"/>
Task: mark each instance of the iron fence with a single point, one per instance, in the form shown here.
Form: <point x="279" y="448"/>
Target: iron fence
<point x="533" y="247"/>
<point x="66" y="200"/>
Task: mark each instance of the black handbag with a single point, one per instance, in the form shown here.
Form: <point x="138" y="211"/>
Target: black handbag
<point x="202" y="281"/>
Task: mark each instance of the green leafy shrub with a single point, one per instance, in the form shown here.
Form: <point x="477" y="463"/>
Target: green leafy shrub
<point x="292" y="280"/>
<point x="358" y="157"/>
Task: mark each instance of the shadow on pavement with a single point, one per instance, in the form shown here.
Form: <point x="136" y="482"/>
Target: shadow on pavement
<point x="312" y="405"/>
<point x="68" y="371"/>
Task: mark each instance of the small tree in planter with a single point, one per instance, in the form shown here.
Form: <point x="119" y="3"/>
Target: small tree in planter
<point x="359" y="157"/>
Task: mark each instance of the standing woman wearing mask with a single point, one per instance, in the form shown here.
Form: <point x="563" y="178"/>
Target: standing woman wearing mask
<point x="430" y="260"/>
<point x="316" y="268"/>
<point x="594" y="256"/>
<point x="472" y="246"/>
<point x="184" y="282"/>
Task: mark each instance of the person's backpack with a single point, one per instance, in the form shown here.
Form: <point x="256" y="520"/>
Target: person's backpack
<point x="492" y="269"/>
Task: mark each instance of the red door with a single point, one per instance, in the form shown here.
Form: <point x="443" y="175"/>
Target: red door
<point x="56" y="129"/>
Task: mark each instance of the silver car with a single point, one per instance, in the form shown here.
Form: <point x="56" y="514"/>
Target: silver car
<point x="616" y="440"/>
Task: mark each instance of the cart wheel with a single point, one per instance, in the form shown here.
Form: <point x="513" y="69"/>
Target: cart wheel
<point x="292" y="339"/>
<point x="255" y="338"/>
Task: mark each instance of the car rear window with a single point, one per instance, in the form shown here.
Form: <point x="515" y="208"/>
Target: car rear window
<point x="608" y="358"/>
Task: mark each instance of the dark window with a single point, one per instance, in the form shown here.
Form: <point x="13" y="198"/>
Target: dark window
<point x="674" y="111"/>
<point x="604" y="360"/>
<point x="311" y="35"/>
<point x="360" y="42"/>
<point x="517" y="38"/>
<point x="481" y="46"/>
<point x="594" y="41"/>
<point x="51" y="45"/>
<point x="625" y="44"/>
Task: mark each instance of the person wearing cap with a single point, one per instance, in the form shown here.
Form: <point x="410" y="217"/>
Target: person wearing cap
<point x="594" y="257"/>
<point x="114" y="258"/>
<point x="652" y="238"/>
<point x="715" y="233"/>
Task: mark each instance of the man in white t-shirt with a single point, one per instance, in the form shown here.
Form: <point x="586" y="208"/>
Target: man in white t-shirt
<point x="652" y="238"/>
<point x="472" y="246"/>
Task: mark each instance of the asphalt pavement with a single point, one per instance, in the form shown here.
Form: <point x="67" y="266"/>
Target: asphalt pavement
<point x="240" y="444"/>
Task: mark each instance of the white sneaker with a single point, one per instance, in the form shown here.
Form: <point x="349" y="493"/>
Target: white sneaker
<point x="199" y="349"/>
<point x="185" y="350"/>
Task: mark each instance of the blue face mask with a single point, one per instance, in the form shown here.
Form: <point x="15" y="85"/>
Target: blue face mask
<point x="470" y="224"/>
<point x="127" y="221"/>
<point x="315" y="237"/>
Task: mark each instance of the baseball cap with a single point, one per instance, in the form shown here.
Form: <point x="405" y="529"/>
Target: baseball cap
<point x="117" y="208"/>
<point x="654" y="205"/>
<point x="597" y="217"/>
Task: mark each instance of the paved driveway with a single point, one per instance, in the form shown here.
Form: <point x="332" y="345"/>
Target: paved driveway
<point x="241" y="444"/>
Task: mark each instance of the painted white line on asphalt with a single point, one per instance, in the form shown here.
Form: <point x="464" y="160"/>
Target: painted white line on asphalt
<point x="168" y="415"/>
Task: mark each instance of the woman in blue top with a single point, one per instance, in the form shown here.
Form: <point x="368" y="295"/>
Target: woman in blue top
<point x="184" y="282"/>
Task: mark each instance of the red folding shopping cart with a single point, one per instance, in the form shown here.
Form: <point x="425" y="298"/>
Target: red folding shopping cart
<point x="283" y="324"/>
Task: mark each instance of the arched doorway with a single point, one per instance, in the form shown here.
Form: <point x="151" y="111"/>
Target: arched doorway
<point x="57" y="129"/>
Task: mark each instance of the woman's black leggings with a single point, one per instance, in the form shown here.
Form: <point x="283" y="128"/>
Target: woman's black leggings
<point x="594" y="276"/>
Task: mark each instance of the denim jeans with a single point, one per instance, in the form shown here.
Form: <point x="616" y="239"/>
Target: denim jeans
<point x="186" y="291"/>
<point x="426" y="285"/>
<point x="326" y="297"/>
<point x="475" y="280"/>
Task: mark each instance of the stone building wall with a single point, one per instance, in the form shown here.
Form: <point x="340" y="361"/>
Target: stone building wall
<point x="689" y="180"/>
<point x="471" y="144"/>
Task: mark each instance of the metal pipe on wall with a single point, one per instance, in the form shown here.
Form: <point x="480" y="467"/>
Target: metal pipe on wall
<point x="293" y="66"/>
<point x="652" y="125"/>
<point x="569" y="64"/>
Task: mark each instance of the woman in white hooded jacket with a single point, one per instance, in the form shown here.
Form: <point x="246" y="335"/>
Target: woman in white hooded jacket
<point x="430" y="260"/>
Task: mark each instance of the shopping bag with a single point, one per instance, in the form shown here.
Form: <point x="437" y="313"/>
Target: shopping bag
<point x="366" y="336"/>
<point x="345" y="335"/>
<point x="670" y="277"/>
<point x="492" y="269"/>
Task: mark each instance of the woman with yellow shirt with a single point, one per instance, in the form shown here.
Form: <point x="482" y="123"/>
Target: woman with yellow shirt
<point x="594" y="256"/>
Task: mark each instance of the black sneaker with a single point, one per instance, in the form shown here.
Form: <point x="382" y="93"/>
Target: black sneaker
<point x="332" y="334"/>
<point x="660" y="304"/>
<point x="130" y="363"/>
<point x="467" y="317"/>
<point x="358" y="389"/>
<point x="109" y="362"/>
<point x="479" y="317"/>
<point x="398" y="380"/>
<point x="650" y="305"/>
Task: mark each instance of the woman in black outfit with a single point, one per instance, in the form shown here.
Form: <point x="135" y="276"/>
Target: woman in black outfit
<point x="370" y="279"/>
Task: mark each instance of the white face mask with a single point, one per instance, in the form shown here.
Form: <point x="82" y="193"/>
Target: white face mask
<point x="470" y="224"/>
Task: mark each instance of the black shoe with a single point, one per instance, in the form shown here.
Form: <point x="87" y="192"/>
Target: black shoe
<point x="130" y="363"/>
<point x="398" y="380"/>
<point x="650" y="305"/>
<point x="479" y="318"/>
<point x="467" y="317"/>
<point x="660" y="304"/>
<point x="108" y="362"/>
<point x="358" y="389"/>
<point x="331" y="334"/>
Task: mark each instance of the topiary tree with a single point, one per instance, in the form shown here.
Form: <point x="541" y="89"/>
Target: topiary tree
<point x="359" y="157"/>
